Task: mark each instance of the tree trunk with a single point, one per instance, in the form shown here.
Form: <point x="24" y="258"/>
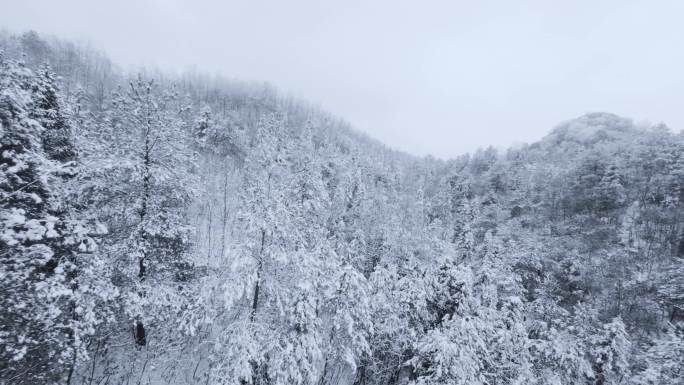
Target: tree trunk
<point x="209" y="231"/>
<point x="225" y="215"/>
<point x="255" y="299"/>
<point x="139" y="332"/>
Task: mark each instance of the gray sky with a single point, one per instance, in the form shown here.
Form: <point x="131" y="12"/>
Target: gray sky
<point x="427" y="77"/>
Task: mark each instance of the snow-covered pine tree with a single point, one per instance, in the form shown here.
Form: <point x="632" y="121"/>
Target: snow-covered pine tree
<point x="57" y="139"/>
<point x="610" y="353"/>
<point x="44" y="314"/>
<point x="256" y="283"/>
<point x="157" y="148"/>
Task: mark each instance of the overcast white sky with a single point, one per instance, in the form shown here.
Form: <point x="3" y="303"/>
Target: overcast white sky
<point x="427" y="77"/>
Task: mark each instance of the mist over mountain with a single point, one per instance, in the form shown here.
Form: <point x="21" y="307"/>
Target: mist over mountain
<point x="188" y="229"/>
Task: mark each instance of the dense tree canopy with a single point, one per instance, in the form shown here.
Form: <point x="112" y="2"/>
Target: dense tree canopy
<point x="185" y="229"/>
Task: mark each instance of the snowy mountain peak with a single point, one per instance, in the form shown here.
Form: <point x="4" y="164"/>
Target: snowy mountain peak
<point x="591" y="128"/>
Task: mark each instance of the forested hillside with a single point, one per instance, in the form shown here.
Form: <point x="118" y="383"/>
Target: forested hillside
<point x="163" y="229"/>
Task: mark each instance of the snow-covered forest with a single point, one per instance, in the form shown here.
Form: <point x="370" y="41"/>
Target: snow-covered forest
<point x="188" y="229"/>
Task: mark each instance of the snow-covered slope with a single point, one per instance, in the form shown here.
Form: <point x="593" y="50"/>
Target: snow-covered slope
<point x="190" y="230"/>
